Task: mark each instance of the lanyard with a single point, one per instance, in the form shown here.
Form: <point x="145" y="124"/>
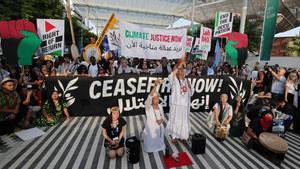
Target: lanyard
<point x="156" y="120"/>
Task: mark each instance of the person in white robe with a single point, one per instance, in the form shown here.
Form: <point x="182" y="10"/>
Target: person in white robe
<point x="178" y="125"/>
<point x="153" y="133"/>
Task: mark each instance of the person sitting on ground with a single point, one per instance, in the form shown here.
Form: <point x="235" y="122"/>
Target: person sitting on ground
<point x="237" y="124"/>
<point x="49" y="62"/>
<point x="153" y="133"/>
<point x="82" y="70"/>
<point x="281" y="120"/>
<point x="3" y="73"/>
<point x="65" y="68"/>
<point x="222" y="113"/>
<point x="113" y="130"/>
<point x="53" y="111"/>
<point x="9" y="105"/>
<point x="257" y="102"/>
<point x="254" y="129"/>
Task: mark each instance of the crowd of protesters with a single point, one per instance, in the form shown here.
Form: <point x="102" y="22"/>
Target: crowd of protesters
<point x="23" y="101"/>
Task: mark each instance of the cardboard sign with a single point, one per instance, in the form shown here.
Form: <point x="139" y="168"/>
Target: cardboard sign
<point x="51" y="32"/>
<point x="223" y="23"/>
<point x="204" y="43"/>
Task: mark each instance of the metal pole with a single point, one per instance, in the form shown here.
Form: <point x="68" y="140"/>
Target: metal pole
<point x="193" y="13"/>
<point x="88" y="17"/>
<point x="243" y="17"/>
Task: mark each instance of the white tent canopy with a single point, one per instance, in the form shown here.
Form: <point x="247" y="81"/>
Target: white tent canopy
<point x="290" y="33"/>
<point x="162" y="13"/>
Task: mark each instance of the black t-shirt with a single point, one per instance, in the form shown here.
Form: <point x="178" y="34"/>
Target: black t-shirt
<point x="114" y="132"/>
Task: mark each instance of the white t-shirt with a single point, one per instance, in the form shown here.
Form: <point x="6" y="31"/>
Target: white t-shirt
<point x="93" y="70"/>
<point x="291" y="88"/>
<point x="210" y="71"/>
<point x="254" y="74"/>
<point x="228" y="108"/>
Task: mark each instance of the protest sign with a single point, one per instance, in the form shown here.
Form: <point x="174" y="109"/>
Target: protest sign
<point x="223" y="23"/>
<point x="51" y="32"/>
<point x="87" y="96"/>
<point x="149" y="43"/>
<point x="189" y="43"/>
<point x="204" y="43"/>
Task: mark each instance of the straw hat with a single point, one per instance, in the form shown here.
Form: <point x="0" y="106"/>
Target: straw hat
<point x="8" y="79"/>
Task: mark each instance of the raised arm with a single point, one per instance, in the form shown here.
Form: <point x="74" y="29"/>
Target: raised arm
<point x="149" y="99"/>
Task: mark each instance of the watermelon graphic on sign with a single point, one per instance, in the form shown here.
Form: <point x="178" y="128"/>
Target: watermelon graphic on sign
<point x="51" y="32"/>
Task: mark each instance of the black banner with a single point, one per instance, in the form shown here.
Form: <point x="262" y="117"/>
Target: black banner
<point x="87" y="96"/>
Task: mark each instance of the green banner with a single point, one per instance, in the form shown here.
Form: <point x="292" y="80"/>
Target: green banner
<point x="268" y="29"/>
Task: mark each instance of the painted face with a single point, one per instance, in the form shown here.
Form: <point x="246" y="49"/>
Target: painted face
<point x="9" y="86"/>
<point x="55" y="96"/>
<point x="115" y="115"/>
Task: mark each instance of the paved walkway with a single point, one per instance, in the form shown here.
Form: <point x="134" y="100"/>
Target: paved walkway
<point x="79" y="144"/>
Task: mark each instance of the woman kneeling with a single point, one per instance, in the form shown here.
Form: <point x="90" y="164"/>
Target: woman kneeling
<point x="113" y="129"/>
<point x="222" y="117"/>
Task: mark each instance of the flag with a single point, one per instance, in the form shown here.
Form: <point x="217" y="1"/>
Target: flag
<point x="218" y="55"/>
<point x="269" y="28"/>
<point x="105" y="43"/>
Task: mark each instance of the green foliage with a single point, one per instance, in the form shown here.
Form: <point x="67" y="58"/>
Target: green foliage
<point x="44" y="9"/>
<point x="31" y="9"/>
<point x="251" y="29"/>
<point x="79" y="33"/>
<point x="293" y="47"/>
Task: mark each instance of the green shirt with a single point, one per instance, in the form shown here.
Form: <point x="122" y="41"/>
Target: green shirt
<point x="8" y="101"/>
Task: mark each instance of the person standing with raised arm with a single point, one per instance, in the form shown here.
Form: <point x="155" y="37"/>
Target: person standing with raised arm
<point x="178" y="125"/>
<point x="153" y="133"/>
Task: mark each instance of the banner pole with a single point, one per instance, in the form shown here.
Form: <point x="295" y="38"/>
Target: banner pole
<point x="101" y="37"/>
